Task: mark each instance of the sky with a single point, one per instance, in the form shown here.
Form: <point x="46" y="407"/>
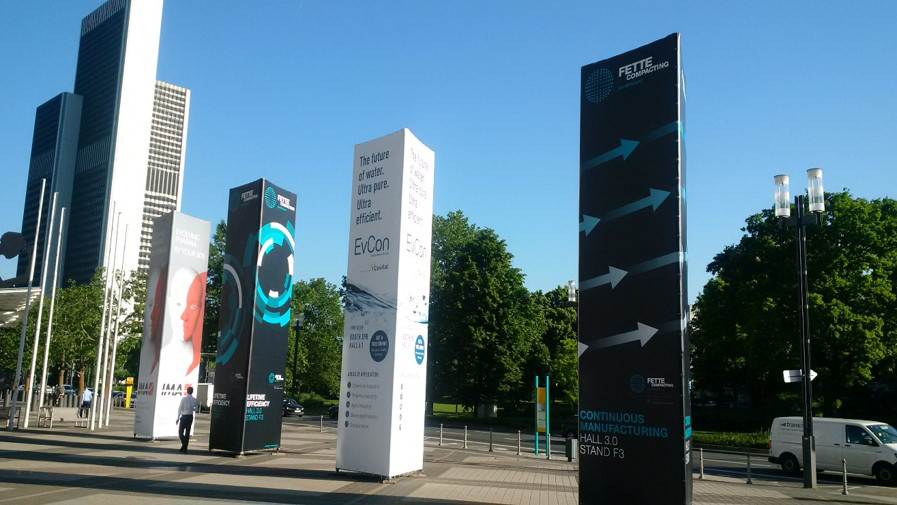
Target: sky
<point x="285" y="89"/>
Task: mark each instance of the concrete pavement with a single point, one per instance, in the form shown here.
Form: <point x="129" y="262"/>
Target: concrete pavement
<point x="72" y="465"/>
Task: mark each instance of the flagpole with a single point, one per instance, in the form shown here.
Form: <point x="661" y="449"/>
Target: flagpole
<point x="121" y="281"/>
<point x="15" y="384"/>
<point x="96" y="378"/>
<point x="48" y="239"/>
<point x="43" y="380"/>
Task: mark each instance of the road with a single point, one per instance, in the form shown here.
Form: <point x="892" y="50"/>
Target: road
<point x="725" y="464"/>
<point x="716" y="463"/>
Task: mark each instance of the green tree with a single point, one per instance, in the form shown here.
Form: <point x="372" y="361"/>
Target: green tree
<point x="559" y="341"/>
<point x="130" y="332"/>
<point x="483" y="321"/>
<point x="319" y="358"/>
<point x="213" y="288"/>
<point x="745" y="325"/>
<point x="76" y="327"/>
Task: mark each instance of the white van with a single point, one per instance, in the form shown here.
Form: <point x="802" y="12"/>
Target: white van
<point x="870" y="447"/>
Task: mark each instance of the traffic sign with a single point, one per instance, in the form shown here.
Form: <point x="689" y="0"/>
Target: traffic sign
<point x="797" y="375"/>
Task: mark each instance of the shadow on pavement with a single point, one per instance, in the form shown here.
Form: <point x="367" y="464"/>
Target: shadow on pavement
<point x="205" y="491"/>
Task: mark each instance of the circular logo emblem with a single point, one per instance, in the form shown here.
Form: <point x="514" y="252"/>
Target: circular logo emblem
<point x="271" y="378"/>
<point x="637" y="384"/>
<point x="419" y="349"/>
<point x="270" y="197"/>
<point x="599" y="84"/>
<point x="379" y="346"/>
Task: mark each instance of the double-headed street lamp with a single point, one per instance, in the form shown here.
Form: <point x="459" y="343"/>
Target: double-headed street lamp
<point x="816" y="200"/>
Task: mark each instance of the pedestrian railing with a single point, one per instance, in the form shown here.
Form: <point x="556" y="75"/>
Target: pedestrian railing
<point x="748" y="466"/>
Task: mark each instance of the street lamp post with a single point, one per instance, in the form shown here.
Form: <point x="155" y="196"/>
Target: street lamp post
<point x="800" y="221"/>
<point x="300" y="319"/>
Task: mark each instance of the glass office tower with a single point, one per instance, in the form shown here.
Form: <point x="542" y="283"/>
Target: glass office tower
<point x="116" y="76"/>
<point x="53" y="149"/>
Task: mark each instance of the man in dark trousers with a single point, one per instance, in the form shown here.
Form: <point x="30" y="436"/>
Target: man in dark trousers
<point x="188" y="406"/>
<point x="86" y="400"/>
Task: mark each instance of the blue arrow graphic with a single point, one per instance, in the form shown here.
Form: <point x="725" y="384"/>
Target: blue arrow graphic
<point x="666" y="259"/>
<point x="656" y="198"/>
<point x="612" y="277"/>
<point x="660" y="132"/>
<point x="643" y="334"/>
<point x="615" y="275"/>
<point x="588" y="223"/>
<point x="625" y="149"/>
<point x="671" y="326"/>
<point x="627" y="146"/>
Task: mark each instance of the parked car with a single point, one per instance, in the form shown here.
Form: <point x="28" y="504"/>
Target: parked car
<point x="69" y="389"/>
<point x="570" y="427"/>
<point x="291" y="406"/>
<point x="869" y="447"/>
<point x="133" y="399"/>
<point x="118" y="394"/>
<point x="333" y="411"/>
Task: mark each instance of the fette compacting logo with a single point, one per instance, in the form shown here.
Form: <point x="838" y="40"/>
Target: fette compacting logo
<point x="641" y="67"/>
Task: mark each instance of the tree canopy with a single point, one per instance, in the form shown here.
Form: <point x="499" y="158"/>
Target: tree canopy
<point x="745" y="325"/>
<point x="485" y="326"/>
<point x="320" y="342"/>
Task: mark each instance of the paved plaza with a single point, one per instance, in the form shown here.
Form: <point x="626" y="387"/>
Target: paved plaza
<point x="73" y="465"/>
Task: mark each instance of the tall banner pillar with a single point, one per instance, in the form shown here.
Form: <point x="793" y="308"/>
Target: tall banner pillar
<point x="634" y="409"/>
<point x="384" y="368"/>
<point x="255" y="312"/>
<point x="172" y="328"/>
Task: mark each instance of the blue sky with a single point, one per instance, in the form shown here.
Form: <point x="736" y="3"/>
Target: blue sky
<point x="284" y="90"/>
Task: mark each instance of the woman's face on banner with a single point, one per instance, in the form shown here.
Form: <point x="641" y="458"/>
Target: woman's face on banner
<point x="192" y="313"/>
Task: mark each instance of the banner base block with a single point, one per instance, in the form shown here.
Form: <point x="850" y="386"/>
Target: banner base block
<point x="383" y="479"/>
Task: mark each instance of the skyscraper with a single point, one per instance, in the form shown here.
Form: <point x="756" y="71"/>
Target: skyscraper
<point x="165" y="165"/>
<point x="116" y="76"/>
<point x="53" y="149"/>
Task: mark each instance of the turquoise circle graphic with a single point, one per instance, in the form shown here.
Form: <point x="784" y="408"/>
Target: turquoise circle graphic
<point x="231" y="317"/>
<point x="599" y="84"/>
<point x="270" y="197"/>
<point x="273" y="306"/>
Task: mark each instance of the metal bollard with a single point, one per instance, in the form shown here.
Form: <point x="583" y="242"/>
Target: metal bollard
<point x="518" y="442"/>
<point x="749" y="470"/>
<point x="322" y="424"/>
<point x="844" y="476"/>
<point x="440" y="434"/>
<point x="465" y="436"/>
<point x="490" y="440"/>
<point x="702" y="463"/>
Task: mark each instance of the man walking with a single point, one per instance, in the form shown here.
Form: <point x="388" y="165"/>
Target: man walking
<point x="188" y="406"/>
<point x="86" y="399"/>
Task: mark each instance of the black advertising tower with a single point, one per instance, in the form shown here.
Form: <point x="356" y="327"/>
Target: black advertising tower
<point x="255" y="314"/>
<point x="634" y="411"/>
